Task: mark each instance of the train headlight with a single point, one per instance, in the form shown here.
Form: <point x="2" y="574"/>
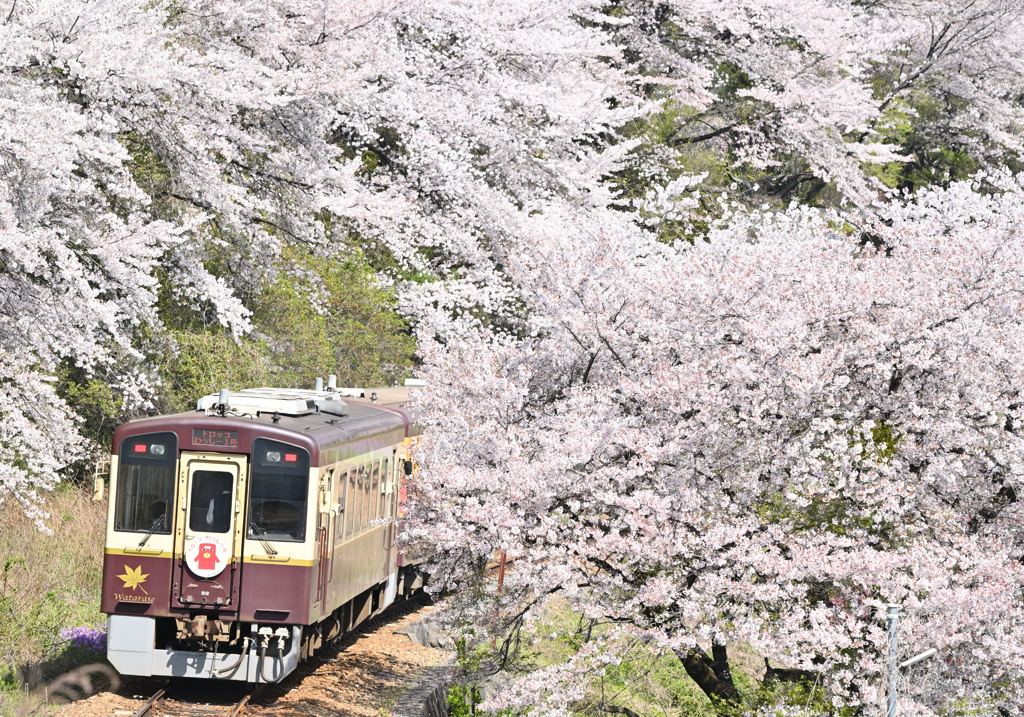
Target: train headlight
<point x="157" y="449"/>
<point x="273" y="456"/>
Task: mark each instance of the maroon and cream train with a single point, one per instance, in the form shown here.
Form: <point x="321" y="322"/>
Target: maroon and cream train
<point x="242" y="535"/>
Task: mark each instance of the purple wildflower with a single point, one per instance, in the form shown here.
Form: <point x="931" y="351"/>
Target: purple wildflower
<point x="86" y="638"/>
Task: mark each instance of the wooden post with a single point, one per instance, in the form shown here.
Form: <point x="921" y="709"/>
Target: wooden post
<point x="501" y="581"/>
<point x="501" y="572"/>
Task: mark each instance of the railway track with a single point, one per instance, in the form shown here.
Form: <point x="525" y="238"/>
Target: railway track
<point x="361" y="672"/>
<point x="161" y="704"/>
<point x="194" y="698"/>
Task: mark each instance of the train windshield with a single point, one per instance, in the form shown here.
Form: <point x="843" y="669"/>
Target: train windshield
<point x="278" y="491"/>
<point x="211" y="501"/>
<point x="145" y="483"/>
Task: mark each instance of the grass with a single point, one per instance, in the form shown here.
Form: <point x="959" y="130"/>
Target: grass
<point x="647" y="681"/>
<point x="643" y="680"/>
<point x="48" y="583"/>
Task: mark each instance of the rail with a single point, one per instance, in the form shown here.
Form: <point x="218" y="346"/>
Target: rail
<point x="183" y="709"/>
<point x="151" y="702"/>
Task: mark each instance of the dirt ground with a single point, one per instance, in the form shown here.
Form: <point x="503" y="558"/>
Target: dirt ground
<point x="361" y="675"/>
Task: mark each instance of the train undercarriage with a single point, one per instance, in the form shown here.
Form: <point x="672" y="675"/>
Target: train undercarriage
<point x="204" y="646"/>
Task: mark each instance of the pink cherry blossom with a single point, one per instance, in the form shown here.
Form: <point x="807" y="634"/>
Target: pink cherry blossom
<point x="768" y="437"/>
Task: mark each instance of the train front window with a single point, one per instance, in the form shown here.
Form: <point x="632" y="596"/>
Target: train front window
<point x="211" y="502"/>
<point x="277" y="492"/>
<point x="145" y="483"/>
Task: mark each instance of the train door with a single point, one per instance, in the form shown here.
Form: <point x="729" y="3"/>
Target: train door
<point x="323" y="539"/>
<point x="388" y="489"/>
<point x="208" y="530"/>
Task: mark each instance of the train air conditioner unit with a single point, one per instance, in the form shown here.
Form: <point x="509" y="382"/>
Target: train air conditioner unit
<point x="283" y="401"/>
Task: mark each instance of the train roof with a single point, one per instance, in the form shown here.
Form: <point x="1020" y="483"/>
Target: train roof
<point x="316" y="420"/>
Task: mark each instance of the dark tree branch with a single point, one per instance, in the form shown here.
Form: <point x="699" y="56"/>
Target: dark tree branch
<point x="785" y="674"/>
<point x="590" y="365"/>
<point x="616" y="355"/>
<point x="616" y="710"/>
<point x="673" y="141"/>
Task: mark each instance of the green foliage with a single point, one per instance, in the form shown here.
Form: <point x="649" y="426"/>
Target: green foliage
<point x="204" y="362"/>
<point x="808" y="699"/>
<point x="92" y="398"/>
<point x="319" y="315"/>
<point x="48" y="582"/>
<point x="681" y="139"/>
<point x="651" y="683"/>
<point x="660" y="159"/>
<point x="383" y="148"/>
<point x="885" y="441"/>
<point x="838" y="516"/>
<point x="731" y="79"/>
<point x="8" y="680"/>
<point x="328" y="315"/>
<point x="645" y="680"/>
<point x="151" y="174"/>
<point x="314" y="315"/>
<point x="370" y="162"/>
<point x="464" y="695"/>
<point x="932" y="160"/>
<point x="462" y="700"/>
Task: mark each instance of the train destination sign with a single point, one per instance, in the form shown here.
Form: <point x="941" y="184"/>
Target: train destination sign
<point x="209" y="437"/>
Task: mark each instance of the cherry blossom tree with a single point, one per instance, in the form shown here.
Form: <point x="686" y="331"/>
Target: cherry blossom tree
<point x="816" y="93"/>
<point x="196" y="134"/>
<point x="768" y="437"/>
<point x="76" y="274"/>
<point x="764" y="436"/>
<point x="146" y="142"/>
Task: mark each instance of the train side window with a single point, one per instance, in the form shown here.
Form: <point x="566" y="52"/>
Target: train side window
<point x="360" y="499"/>
<point x="145" y="483"/>
<point x="278" y="492"/>
<point x="392" y="482"/>
<point x="339" y="521"/>
<point x="366" y="497"/>
<point x="396" y="486"/>
<point x="350" y="503"/>
<point x="375" y="492"/>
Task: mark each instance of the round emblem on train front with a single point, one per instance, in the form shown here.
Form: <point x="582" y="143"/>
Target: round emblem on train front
<point x="206" y="556"/>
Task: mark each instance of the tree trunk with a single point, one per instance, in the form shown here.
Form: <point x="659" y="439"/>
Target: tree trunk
<point x="720" y="666"/>
<point x="705" y="672"/>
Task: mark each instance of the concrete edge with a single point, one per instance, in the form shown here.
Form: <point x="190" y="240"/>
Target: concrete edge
<point x="429" y="696"/>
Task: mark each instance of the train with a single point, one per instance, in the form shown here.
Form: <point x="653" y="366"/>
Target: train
<point x="243" y="535"/>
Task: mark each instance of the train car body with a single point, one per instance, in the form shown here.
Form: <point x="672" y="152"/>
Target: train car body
<point x="242" y="535"/>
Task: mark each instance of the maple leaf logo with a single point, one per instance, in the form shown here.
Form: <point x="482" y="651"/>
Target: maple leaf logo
<point x="133" y="578"/>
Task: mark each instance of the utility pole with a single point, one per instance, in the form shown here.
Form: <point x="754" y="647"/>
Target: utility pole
<point x="892" y="666"/>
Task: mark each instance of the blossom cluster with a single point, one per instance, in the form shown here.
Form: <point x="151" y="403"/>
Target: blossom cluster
<point x="92" y="639"/>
